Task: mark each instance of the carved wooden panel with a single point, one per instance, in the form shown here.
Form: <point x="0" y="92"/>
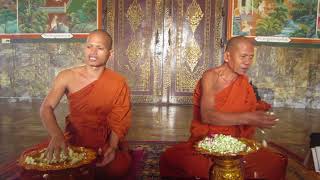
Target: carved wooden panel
<point x="191" y="46"/>
<point x="161" y="46"/>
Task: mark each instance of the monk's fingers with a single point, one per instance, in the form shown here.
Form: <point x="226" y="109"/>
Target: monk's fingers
<point x="107" y="158"/>
<point x="57" y="152"/>
<point x="104" y="161"/>
<point x="64" y="148"/>
<point x="49" y="153"/>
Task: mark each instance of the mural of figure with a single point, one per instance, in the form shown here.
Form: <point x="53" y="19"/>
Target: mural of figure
<point x="245" y="28"/>
<point x="54" y="23"/>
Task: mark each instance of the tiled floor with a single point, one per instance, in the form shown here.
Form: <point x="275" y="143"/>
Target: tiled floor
<point x="20" y="126"/>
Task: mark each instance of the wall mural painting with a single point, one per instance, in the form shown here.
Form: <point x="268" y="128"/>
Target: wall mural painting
<point x="296" y="20"/>
<point x="31" y="18"/>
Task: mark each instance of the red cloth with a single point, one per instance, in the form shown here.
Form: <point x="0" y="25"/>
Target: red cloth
<point x="96" y="110"/>
<point x="182" y="161"/>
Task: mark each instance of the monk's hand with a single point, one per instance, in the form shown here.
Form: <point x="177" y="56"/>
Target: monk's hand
<point x="262" y="119"/>
<point x="56" y="146"/>
<point x="108" y="155"/>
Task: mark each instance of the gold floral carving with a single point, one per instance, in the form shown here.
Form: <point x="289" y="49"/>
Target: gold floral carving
<point x="194" y="15"/>
<point x="192" y="53"/>
<point x="135" y="15"/>
<point x="134" y="52"/>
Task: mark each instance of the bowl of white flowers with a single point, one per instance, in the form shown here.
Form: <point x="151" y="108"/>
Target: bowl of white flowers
<point x="226" y="153"/>
<point x="75" y="161"/>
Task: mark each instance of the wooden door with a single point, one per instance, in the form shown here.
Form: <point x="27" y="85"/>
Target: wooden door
<point x="161" y="46"/>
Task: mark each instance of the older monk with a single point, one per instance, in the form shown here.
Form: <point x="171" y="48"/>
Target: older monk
<point x="225" y="103"/>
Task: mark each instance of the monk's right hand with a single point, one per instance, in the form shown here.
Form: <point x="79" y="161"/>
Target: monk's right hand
<point x="261" y="119"/>
<point x="56" y="146"/>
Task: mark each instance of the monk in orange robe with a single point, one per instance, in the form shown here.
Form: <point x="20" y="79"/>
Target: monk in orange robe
<point x="100" y="109"/>
<point x="225" y="103"/>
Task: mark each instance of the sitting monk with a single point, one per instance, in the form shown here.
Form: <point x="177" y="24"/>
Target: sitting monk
<point x="100" y="110"/>
<point x="225" y="103"/>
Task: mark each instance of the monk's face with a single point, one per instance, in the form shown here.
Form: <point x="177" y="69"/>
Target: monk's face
<point x="240" y="57"/>
<point x="97" y="49"/>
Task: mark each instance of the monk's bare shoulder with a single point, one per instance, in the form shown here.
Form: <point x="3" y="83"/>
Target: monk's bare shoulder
<point x="210" y="76"/>
<point x="66" y="76"/>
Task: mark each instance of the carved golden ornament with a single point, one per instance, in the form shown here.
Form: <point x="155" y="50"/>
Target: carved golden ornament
<point x="135" y="15"/>
<point x="184" y="84"/>
<point x="144" y="79"/>
<point x="192" y="53"/>
<point x="194" y="15"/>
<point x="134" y="52"/>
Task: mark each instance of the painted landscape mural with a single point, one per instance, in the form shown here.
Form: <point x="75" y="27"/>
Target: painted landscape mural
<point x="285" y="18"/>
<point x="47" y="16"/>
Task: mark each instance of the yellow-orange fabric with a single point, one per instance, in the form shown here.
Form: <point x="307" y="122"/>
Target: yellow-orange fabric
<point x="182" y="161"/>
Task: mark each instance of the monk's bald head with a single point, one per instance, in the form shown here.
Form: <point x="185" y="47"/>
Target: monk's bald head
<point x="234" y="42"/>
<point x="105" y="36"/>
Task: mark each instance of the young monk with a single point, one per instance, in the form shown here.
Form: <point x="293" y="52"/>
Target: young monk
<point x="100" y="109"/>
<point x="225" y="103"/>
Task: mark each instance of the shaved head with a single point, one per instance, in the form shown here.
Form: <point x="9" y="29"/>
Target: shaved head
<point x="235" y="41"/>
<point x="105" y="35"/>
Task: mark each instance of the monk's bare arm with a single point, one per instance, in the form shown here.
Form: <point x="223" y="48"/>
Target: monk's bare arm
<point x="50" y="102"/>
<point x="210" y="116"/>
<point x="57" y="141"/>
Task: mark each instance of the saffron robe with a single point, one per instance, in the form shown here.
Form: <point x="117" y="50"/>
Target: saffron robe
<point x="184" y="162"/>
<point x="96" y="110"/>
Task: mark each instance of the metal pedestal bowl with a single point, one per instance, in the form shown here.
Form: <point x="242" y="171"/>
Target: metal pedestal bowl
<point x="229" y="166"/>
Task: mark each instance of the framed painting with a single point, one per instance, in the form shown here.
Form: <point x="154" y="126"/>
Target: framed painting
<point x="294" y="21"/>
<point x="49" y="18"/>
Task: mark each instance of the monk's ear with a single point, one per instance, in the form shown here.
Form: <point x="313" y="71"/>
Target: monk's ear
<point x="110" y="54"/>
<point x="226" y="56"/>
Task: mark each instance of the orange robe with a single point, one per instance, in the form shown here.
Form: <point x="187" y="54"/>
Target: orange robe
<point x="182" y="161"/>
<point x="96" y="110"/>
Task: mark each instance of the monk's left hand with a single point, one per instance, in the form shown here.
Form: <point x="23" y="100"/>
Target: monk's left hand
<point x="108" y="156"/>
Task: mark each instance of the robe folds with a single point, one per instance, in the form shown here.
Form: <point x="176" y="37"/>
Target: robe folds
<point x="181" y="161"/>
<point x="96" y="110"/>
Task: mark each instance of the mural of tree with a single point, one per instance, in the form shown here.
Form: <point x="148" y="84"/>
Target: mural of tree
<point x="304" y="14"/>
<point x="268" y="27"/>
<point x="303" y="7"/>
<point x="83" y="19"/>
<point x="280" y="13"/>
<point x="31" y="18"/>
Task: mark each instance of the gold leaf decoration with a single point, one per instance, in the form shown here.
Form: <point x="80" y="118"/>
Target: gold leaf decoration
<point x="134" y="52"/>
<point x="194" y="15"/>
<point x="192" y="53"/>
<point x="135" y="15"/>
